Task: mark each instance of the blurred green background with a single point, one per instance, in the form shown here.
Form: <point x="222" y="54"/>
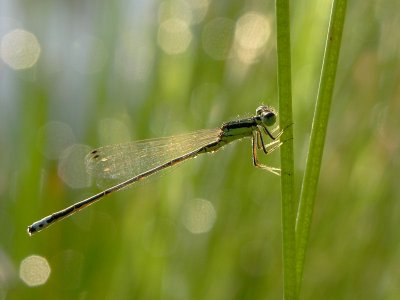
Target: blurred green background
<point x="77" y="75"/>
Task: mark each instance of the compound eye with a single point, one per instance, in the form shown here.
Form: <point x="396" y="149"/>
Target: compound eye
<point x="269" y="118"/>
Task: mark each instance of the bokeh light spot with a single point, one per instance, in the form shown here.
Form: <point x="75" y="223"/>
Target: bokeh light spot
<point x="199" y="10"/>
<point x="19" y="49"/>
<point x="174" y="10"/>
<point x="251" y="36"/>
<point x="189" y="11"/>
<point x="199" y="216"/>
<point x="174" y="36"/>
<point x="252" y="31"/>
<point x="34" y="270"/>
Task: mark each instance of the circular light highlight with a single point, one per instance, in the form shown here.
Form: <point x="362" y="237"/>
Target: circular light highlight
<point x="252" y="33"/>
<point x="34" y="270"/>
<point x="199" y="216"/>
<point x="20" y="49"/>
<point x="174" y="36"/>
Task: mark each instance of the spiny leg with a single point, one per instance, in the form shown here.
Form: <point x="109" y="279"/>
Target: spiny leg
<point x="280" y="132"/>
<point x="274" y="130"/>
<point x="260" y="141"/>
<point x="268" y="149"/>
<point x="270" y="133"/>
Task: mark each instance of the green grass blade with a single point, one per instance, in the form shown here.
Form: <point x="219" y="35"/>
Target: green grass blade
<point x="287" y="162"/>
<point x="318" y="132"/>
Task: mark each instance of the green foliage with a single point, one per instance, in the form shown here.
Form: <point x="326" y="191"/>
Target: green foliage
<point x="287" y="161"/>
<point x="318" y="132"/>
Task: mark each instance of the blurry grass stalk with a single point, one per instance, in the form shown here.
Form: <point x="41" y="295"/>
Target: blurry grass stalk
<point x="287" y="163"/>
<point x="318" y="132"/>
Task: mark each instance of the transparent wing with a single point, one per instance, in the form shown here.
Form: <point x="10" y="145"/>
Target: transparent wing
<point x="123" y="161"/>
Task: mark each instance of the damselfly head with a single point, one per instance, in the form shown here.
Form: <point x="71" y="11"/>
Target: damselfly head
<point x="267" y="115"/>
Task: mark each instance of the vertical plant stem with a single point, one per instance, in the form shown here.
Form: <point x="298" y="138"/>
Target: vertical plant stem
<point x="287" y="183"/>
<point x="318" y="132"/>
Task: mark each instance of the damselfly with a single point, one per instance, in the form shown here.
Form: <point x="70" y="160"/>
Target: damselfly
<point x="134" y="161"/>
